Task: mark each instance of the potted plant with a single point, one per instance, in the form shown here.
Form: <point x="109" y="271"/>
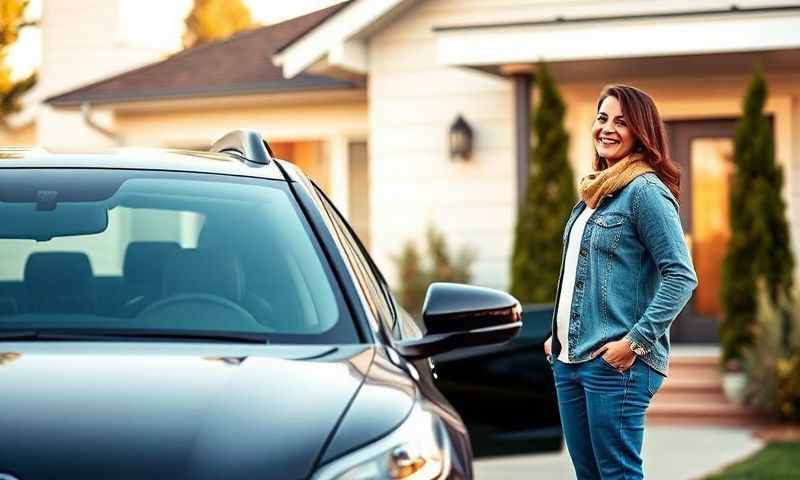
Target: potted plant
<point x="734" y="381"/>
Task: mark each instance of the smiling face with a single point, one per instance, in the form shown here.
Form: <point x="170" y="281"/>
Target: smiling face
<point x="612" y="136"/>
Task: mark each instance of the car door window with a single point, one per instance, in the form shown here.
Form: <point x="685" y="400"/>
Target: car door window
<point x="372" y="282"/>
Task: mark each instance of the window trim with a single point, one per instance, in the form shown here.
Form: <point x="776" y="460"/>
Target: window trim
<point x="315" y="212"/>
<point x="378" y="279"/>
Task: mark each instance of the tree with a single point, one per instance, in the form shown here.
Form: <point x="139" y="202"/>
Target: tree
<point x="212" y="20"/>
<point x="759" y="245"/>
<point x="549" y="199"/>
<point x="416" y="274"/>
<point x="12" y="21"/>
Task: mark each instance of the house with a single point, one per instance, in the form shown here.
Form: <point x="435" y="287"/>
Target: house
<point x="363" y="94"/>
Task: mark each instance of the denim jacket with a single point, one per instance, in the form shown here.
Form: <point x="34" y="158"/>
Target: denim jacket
<point x="634" y="274"/>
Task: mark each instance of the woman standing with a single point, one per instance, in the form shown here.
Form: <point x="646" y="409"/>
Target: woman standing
<point x="625" y="276"/>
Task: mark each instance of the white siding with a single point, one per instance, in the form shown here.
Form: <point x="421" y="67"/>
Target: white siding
<point x="200" y="127"/>
<point x="81" y="44"/>
<point x="412" y="103"/>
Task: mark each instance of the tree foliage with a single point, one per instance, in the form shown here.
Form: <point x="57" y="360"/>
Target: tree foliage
<point x="417" y="273"/>
<point x="12" y="21"/>
<point x="549" y="199"/>
<point x="759" y="245"/>
<point x="212" y="20"/>
<point x="772" y="362"/>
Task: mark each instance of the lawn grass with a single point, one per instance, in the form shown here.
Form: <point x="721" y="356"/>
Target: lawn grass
<point x="775" y="461"/>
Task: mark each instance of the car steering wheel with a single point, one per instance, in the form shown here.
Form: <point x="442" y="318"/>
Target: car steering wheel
<point x="199" y="302"/>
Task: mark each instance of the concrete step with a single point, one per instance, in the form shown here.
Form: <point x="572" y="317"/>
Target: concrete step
<point x="691" y="385"/>
<point x="693" y="395"/>
<point x="678" y="397"/>
<point x="694" y="367"/>
<point x="686" y="421"/>
<point x="695" y="360"/>
<point x="705" y="375"/>
<point x="717" y="414"/>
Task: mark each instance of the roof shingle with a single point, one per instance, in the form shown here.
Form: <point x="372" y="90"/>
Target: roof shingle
<point x="239" y="65"/>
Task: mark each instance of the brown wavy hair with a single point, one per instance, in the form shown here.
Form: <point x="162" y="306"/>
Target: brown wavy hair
<point x="648" y="129"/>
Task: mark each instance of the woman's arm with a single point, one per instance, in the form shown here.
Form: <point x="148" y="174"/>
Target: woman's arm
<point x="659" y="228"/>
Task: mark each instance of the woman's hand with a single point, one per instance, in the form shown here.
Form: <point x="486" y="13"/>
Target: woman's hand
<point x="548" y="345"/>
<point x="618" y="354"/>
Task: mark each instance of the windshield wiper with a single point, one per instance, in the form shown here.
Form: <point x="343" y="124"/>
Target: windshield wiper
<point x="100" y="335"/>
<point x="18" y="335"/>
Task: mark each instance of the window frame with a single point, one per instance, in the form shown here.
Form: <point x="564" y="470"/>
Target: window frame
<point x="379" y="295"/>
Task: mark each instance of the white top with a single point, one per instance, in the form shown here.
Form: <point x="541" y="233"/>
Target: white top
<point x="568" y="281"/>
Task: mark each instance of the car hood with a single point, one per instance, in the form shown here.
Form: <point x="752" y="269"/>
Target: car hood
<point x="86" y="410"/>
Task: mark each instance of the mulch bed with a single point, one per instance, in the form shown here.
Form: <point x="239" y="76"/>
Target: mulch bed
<point x="779" y="433"/>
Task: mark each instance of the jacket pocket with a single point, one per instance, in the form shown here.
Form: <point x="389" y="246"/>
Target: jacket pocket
<point x="607" y="231"/>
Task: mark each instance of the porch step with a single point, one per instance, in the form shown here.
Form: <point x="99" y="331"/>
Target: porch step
<point x="706" y="414"/>
<point x="701" y="396"/>
<point x="695" y="368"/>
<point x="693" y="395"/>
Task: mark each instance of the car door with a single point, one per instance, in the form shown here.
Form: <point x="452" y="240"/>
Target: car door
<point x="505" y="393"/>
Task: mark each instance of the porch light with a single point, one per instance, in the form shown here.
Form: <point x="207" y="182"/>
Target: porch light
<point x="460" y="140"/>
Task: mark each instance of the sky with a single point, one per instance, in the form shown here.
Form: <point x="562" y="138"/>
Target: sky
<point x="138" y="26"/>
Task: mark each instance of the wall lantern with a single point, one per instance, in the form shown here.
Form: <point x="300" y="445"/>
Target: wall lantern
<point x="460" y="140"/>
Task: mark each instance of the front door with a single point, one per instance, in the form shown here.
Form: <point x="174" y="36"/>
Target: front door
<point x="704" y="151"/>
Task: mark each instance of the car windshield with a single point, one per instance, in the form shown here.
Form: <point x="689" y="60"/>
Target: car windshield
<point x="160" y="255"/>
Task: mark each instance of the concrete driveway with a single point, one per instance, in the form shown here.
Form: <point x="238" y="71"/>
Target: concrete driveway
<point x="670" y="453"/>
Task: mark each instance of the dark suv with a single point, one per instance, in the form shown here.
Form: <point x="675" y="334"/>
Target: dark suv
<point x="192" y="315"/>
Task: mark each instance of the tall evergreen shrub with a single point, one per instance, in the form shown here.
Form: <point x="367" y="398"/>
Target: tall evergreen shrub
<point x="417" y="270"/>
<point x="550" y="196"/>
<point x="759" y="245"/>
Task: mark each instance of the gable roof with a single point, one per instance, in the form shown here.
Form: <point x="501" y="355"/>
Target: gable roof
<point x="339" y="42"/>
<point x="239" y="65"/>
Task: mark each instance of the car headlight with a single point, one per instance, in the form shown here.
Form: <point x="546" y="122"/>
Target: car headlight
<point x="419" y="449"/>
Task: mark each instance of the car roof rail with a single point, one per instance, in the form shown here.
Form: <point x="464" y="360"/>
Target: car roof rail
<point x="246" y="145"/>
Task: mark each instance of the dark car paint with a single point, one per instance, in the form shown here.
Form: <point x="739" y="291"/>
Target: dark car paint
<point x="130" y="412"/>
<point x="145" y="410"/>
<point x="505" y="393"/>
<point x="380" y="398"/>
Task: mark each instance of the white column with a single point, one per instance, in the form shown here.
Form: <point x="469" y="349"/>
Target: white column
<point x="339" y="157"/>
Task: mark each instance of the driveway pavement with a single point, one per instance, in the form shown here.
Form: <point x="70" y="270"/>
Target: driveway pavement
<point x="670" y="453"/>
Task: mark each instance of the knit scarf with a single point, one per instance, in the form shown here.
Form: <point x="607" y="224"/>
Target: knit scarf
<point x="597" y="185"/>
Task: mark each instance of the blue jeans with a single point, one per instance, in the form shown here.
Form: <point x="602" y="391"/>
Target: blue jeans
<point x="603" y="416"/>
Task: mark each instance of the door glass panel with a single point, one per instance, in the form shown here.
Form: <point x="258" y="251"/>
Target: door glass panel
<point x="712" y="175"/>
<point x="358" y="211"/>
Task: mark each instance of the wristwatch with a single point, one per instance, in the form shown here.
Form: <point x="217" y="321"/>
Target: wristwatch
<point x="636" y="348"/>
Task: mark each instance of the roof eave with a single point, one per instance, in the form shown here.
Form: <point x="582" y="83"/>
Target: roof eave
<point x="312" y="84"/>
<point x="230" y="100"/>
<point x="336" y="41"/>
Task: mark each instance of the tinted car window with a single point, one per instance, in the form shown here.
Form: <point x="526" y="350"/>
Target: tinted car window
<point x="382" y="305"/>
<point x="162" y="251"/>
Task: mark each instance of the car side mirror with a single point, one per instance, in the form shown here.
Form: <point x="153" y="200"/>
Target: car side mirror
<point x="458" y="316"/>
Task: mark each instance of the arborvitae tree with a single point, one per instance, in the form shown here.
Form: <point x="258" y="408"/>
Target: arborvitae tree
<point x="412" y="279"/>
<point x="416" y="274"/>
<point x="759" y="246"/>
<point x="212" y="20"/>
<point x="12" y="20"/>
<point x="443" y="267"/>
<point x="549" y="199"/>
